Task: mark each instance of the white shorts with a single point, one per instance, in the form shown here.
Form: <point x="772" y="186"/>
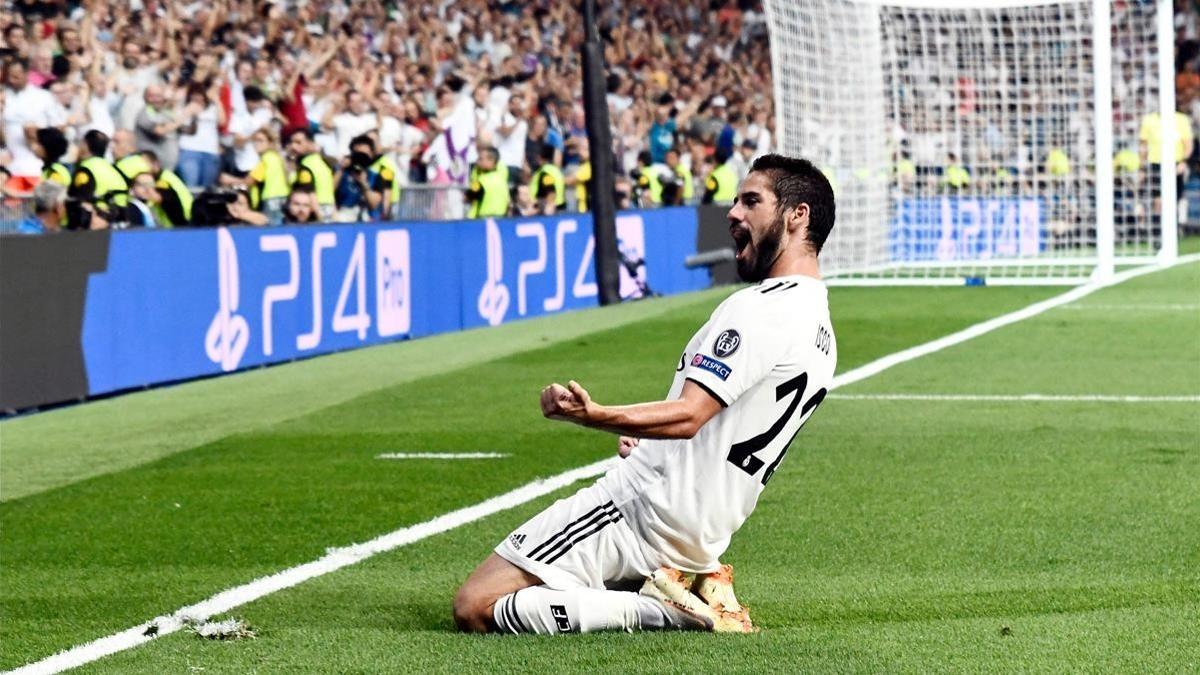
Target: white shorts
<point x="580" y="541"/>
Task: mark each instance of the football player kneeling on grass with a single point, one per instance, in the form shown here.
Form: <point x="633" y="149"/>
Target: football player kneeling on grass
<point x="745" y="384"/>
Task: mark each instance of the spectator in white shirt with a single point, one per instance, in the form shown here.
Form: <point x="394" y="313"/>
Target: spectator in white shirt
<point x="509" y="133"/>
<point x="352" y="118"/>
<point x="132" y="78"/>
<point x="258" y="113"/>
<point x="101" y="104"/>
<point x="200" y="147"/>
<point x="26" y="109"/>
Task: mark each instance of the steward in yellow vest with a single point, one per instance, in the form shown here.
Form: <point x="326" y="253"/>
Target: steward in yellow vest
<point x="313" y="173"/>
<point x="583" y="177"/>
<point x="267" y="182"/>
<point x="647" y="185"/>
<point x="176" y="207"/>
<point x="131" y="165"/>
<point x="97" y="180"/>
<point x="389" y="183"/>
<point x="683" y="176"/>
<point x="1127" y="161"/>
<point x="721" y="185"/>
<point x="548" y="187"/>
<point x="956" y="175"/>
<point x="50" y="147"/>
<point x="488" y="192"/>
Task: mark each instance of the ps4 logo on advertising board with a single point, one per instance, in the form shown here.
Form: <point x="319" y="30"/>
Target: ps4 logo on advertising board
<point x="495" y="296"/>
<point x="229" y="333"/>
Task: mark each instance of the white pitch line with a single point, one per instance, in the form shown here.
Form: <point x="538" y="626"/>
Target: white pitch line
<point x="1136" y="308"/>
<point x="880" y="365"/>
<point x="334" y="560"/>
<point x="441" y="455"/>
<point x="339" y="558"/>
<point x="1048" y="398"/>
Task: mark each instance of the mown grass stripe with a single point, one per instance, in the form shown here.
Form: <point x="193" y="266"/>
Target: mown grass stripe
<point x="229" y="599"/>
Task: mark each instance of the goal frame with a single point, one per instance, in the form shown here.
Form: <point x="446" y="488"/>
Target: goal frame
<point x="1105" y="262"/>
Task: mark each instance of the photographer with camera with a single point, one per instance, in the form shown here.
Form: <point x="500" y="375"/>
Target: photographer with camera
<point x="240" y="212"/>
<point x="360" y="189"/>
<point x="218" y="207"/>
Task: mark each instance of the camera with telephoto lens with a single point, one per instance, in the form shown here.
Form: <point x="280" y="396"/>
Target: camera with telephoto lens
<point x="78" y="217"/>
<point x="360" y="162"/>
<point x="211" y="208"/>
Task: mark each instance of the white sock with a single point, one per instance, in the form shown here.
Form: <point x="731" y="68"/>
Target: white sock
<point x="540" y="610"/>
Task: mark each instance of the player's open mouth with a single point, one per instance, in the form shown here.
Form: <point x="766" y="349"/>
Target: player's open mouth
<point x="741" y="240"/>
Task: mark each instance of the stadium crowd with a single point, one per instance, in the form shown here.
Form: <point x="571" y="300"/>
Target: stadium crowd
<point x="161" y="113"/>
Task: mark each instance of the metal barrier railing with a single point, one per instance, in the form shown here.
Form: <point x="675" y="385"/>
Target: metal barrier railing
<point x="431" y="202"/>
<point x="12" y="211"/>
<point x="417" y="202"/>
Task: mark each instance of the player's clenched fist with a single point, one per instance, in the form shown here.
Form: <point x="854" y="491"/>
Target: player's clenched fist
<point x="565" y="403"/>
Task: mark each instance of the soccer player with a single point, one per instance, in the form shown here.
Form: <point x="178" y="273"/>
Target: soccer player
<point x="747" y="381"/>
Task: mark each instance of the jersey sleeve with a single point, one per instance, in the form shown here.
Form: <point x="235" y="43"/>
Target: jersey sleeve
<point x="739" y="349"/>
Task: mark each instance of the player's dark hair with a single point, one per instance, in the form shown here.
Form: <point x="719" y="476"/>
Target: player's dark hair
<point x="797" y="181"/>
<point x="96" y="142"/>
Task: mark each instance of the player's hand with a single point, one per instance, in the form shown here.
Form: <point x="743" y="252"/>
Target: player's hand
<point x="568" y="403"/>
<point x="625" y="445"/>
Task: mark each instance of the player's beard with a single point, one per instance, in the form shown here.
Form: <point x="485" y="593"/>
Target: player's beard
<point x="757" y="263"/>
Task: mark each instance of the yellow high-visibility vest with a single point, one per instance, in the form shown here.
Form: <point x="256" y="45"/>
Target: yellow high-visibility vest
<point x="494" y="187"/>
<point x="549" y="175"/>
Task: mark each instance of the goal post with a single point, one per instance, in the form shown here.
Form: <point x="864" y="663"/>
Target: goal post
<point x="982" y="141"/>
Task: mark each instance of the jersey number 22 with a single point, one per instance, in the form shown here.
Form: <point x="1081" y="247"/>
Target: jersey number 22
<point x="742" y="454"/>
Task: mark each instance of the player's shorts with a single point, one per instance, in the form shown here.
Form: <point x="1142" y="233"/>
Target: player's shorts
<point x="580" y="541"/>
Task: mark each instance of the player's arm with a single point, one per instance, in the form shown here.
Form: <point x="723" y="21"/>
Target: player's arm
<point x="678" y="419"/>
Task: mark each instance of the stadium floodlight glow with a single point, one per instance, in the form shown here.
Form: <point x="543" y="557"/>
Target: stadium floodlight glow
<point x="985" y="141"/>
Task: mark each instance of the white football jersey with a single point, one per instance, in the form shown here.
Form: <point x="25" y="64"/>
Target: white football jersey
<point x="767" y="354"/>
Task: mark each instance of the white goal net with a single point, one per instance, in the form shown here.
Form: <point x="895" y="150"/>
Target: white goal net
<point x="991" y="141"/>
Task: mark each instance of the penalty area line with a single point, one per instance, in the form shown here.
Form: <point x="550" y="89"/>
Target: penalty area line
<point x="342" y="557"/>
<point x="1020" y="398"/>
<point x="442" y="455"/>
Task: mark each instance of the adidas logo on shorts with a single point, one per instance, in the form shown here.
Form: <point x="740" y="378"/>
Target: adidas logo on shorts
<point x="516" y="540"/>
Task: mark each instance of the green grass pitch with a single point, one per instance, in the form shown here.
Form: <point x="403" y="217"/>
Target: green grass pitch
<point x="899" y="536"/>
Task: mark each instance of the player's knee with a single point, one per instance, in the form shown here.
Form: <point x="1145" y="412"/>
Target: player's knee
<point x="472" y="611"/>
